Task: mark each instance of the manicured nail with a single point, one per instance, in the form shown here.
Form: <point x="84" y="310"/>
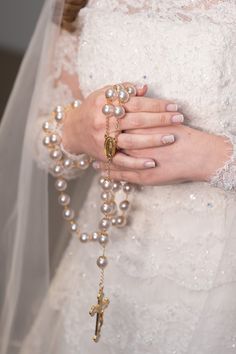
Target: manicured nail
<point x="172" y="107"/>
<point x="149" y="164"/>
<point x="140" y="85"/>
<point x="96" y="165"/>
<point x="178" y="118"/>
<point x="168" y="139"/>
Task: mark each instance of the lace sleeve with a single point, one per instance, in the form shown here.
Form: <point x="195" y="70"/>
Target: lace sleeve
<point x="225" y="177"/>
<point x="61" y="87"/>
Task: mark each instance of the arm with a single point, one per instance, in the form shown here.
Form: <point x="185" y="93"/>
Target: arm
<point x="60" y="88"/>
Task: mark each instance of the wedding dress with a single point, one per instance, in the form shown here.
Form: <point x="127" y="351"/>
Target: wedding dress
<point x="167" y="294"/>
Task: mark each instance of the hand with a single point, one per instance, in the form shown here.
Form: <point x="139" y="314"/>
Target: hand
<point x="84" y="127"/>
<point x="195" y="156"/>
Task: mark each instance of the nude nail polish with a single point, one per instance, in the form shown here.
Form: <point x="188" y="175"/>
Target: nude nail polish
<point x="168" y="139"/>
<point x="172" y="107"/>
<point x="178" y="118"/>
<point x="149" y="164"/>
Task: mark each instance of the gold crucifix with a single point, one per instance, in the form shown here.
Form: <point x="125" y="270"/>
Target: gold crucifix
<point x="98" y="309"/>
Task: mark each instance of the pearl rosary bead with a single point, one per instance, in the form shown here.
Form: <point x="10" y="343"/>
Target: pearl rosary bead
<point x="120" y="221"/>
<point x="127" y="188"/>
<point x="84" y="237"/>
<point x="57" y="170"/>
<point x="60" y="184"/>
<point x="55" y="139"/>
<point x="124" y="205"/>
<point x="119" y="112"/>
<point x="95" y="236"/>
<point x="108" y="109"/>
<point x="102" y="262"/>
<point x="111" y="94"/>
<point x="103" y="239"/>
<point x="104" y="224"/>
<point x="73" y="226"/>
<point x="116" y="186"/>
<point x="106" y="196"/>
<point x="123" y="96"/>
<point x="68" y="214"/>
<point x="64" y="199"/>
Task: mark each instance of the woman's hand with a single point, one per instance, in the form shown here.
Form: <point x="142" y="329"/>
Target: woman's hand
<point x="84" y="127"/>
<point x="195" y="156"/>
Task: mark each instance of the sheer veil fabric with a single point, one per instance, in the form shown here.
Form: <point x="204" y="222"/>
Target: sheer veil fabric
<point x="24" y="221"/>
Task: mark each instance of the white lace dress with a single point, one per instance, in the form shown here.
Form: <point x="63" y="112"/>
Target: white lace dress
<point x="163" y="265"/>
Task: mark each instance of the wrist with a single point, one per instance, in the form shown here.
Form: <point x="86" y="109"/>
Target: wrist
<point x="71" y="140"/>
<point x="219" y="152"/>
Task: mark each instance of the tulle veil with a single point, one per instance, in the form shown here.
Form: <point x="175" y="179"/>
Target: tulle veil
<point x="24" y="221"/>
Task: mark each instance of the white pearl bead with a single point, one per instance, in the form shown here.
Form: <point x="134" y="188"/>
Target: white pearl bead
<point x="131" y="90"/>
<point x="106" y="196"/>
<point x="67" y="163"/>
<point x="68" y="214"/>
<point x="101" y="181"/>
<point x="60" y="184"/>
<point x="59" y="109"/>
<point x="46" y="126"/>
<point x="123" y="96"/>
<point x="124" y="205"/>
<point x="84" y="237"/>
<point x="113" y="221"/>
<point x="103" y="239"/>
<point x="55" y="139"/>
<point x="76" y="103"/>
<point x="84" y="163"/>
<point x="102" y="262"/>
<point x="57" y="170"/>
<point x="116" y="186"/>
<point x="110" y="94"/>
<point x="46" y="141"/>
<point x="119" y="112"/>
<point x="107" y="185"/>
<point x="120" y="221"/>
<point x="104" y="224"/>
<point x="106" y="208"/>
<point x="108" y="109"/>
<point x="56" y="154"/>
<point x="73" y="226"/>
<point x="95" y="236"/>
<point x="64" y="199"/>
<point x="127" y="188"/>
<point x="59" y="116"/>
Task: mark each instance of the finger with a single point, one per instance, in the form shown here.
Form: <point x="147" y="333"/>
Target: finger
<point x="127" y="176"/>
<point x="147" y="104"/>
<point x="150" y="120"/>
<point x="141" y="141"/>
<point x="122" y="161"/>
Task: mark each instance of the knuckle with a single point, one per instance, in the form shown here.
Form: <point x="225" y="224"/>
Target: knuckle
<point x="163" y="119"/>
<point x="157" y="106"/>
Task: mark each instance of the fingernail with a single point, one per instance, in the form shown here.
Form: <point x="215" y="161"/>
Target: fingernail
<point x="140" y="85"/>
<point x="149" y="164"/>
<point x="168" y="139"/>
<point x="96" y="165"/>
<point x="172" y="107"/>
<point x="178" y="118"/>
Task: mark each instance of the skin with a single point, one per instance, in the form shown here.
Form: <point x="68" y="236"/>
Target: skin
<point x="144" y="157"/>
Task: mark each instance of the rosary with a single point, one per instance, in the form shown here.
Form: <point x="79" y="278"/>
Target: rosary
<point x="113" y="215"/>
